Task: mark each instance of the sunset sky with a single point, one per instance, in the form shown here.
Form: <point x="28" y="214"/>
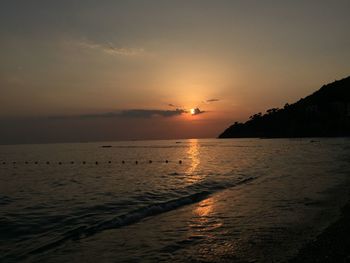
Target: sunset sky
<point x="114" y="70"/>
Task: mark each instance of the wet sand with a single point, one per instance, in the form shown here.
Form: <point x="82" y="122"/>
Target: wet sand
<point x="332" y="245"/>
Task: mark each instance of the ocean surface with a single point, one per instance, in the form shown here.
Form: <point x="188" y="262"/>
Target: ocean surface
<point x="241" y="200"/>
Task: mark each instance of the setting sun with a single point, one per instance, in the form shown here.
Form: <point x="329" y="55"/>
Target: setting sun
<point x="192" y="111"/>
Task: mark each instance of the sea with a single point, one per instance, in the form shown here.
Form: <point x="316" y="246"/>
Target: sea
<point x="196" y="200"/>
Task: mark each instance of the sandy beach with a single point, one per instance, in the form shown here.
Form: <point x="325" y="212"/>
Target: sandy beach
<point x="332" y="245"/>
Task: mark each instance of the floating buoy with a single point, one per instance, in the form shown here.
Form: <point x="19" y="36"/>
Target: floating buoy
<point x="150" y="161"/>
<point x="166" y="161"/>
<point x="26" y="162"/>
<point x="36" y="162"/>
<point x="109" y="161"/>
<point x="59" y="163"/>
<point x="136" y="162"/>
<point x="47" y="162"/>
<point x="84" y="162"/>
<point x="180" y="162"/>
<point x="96" y="163"/>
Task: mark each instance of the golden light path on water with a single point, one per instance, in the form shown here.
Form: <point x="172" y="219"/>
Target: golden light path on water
<point x="202" y="222"/>
<point x="193" y="154"/>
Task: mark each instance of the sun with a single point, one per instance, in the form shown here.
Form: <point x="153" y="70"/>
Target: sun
<point x="192" y="111"/>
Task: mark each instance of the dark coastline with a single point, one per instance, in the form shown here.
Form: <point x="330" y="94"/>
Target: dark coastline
<point x="332" y="245"/>
<point x="325" y="113"/>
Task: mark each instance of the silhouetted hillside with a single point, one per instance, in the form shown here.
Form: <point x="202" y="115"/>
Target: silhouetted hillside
<point x="325" y="113"/>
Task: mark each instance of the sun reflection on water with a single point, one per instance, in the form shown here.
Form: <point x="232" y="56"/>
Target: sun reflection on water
<point x="204" y="208"/>
<point x="193" y="155"/>
<point x="204" y="220"/>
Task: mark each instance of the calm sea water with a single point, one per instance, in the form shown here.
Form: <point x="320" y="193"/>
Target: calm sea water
<point x="241" y="199"/>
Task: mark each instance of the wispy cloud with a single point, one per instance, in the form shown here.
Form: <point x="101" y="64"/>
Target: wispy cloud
<point x="175" y="106"/>
<point x="212" y="100"/>
<point x="111" y="48"/>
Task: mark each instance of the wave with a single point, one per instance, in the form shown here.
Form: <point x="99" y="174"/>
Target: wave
<point x="5" y="200"/>
<point x="148" y="146"/>
<point x="179" y="146"/>
<point x="199" y="191"/>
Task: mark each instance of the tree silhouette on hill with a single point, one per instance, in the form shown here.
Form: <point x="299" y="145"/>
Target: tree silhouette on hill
<point x="325" y="113"/>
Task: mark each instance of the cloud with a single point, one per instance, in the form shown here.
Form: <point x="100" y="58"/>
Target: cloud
<point x="111" y="49"/>
<point x="212" y="100"/>
<point x="174" y="106"/>
<point x="98" y="115"/>
<point x="132" y="113"/>
<point x="197" y="111"/>
<point x="141" y="113"/>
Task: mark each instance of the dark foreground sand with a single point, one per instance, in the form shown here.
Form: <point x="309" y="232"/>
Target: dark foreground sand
<point x="333" y="245"/>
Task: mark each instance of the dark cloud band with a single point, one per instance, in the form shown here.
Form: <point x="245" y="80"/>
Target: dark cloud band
<point x="141" y="113"/>
<point x="132" y="113"/>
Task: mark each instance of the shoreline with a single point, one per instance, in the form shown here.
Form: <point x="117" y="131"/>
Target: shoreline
<point x="332" y="245"/>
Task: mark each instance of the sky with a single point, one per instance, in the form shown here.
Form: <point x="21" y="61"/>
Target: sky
<point x="76" y="71"/>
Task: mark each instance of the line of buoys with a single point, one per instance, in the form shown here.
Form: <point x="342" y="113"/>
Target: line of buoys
<point x="84" y="162"/>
